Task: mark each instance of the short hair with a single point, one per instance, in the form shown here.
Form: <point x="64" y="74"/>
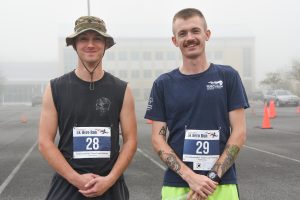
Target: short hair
<point x="188" y="13"/>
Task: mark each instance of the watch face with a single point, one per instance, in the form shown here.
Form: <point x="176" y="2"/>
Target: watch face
<point x="212" y="175"/>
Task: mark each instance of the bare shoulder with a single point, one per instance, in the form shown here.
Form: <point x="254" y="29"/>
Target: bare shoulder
<point x="47" y="98"/>
<point x="128" y="107"/>
<point x="49" y="116"/>
<point x="48" y="108"/>
<point x="128" y="97"/>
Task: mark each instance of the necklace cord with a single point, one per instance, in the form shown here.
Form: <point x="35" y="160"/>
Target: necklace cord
<point x="92" y="83"/>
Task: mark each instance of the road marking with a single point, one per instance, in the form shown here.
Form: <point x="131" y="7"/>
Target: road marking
<point x="151" y="159"/>
<point x="16" y="169"/>
<point x="274" y="154"/>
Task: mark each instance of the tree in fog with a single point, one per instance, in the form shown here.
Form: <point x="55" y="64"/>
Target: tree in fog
<point x="274" y="80"/>
<point x="295" y="71"/>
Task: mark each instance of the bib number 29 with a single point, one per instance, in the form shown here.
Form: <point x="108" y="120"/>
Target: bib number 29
<point x="202" y="147"/>
<point x="92" y="143"/>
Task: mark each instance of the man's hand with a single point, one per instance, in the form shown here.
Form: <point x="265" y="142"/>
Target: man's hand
<point x="97" y="186"/>
<point x="81" y="180"/>
<point x="201" y="185"/>
<point x="192" y="195"/>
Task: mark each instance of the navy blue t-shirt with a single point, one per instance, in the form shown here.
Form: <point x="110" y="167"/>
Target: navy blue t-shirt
<point x="200" y="102"/>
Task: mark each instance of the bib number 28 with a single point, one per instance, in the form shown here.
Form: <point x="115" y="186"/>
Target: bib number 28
<point x="92" y="143"/>
<point x="202" y="147"/>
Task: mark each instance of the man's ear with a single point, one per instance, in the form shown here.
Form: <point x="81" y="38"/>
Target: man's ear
<point x="207" y="33"/>
<point x="174" y="41"/>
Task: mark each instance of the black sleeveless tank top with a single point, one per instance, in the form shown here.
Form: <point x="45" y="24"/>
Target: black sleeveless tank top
<point x="78" y="106"/>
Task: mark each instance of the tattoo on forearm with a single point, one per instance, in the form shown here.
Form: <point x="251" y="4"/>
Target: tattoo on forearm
<point x="171" y="161"/>
<point x="231" y="152"/>
<point x="163" y="132"/>
<point x="217" y="167"/>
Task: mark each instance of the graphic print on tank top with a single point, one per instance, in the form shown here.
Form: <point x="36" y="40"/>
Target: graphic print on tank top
<point x="103" y="105"/>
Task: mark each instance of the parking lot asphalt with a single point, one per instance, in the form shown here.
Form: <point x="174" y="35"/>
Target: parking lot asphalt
<point x="268" y="165"/>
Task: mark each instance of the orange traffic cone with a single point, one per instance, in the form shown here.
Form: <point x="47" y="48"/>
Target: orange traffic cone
<point x="272" y="110"/>
<point x="298" y="110"/>
<point x="266" y="121"/>
<point x="149" y="121"/>
<point x="23" y="119"/>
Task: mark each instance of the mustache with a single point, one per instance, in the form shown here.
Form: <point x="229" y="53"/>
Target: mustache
<point x="189" y="42"/>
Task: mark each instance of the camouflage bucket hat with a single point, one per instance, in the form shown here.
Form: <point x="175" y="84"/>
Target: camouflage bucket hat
<point x="86" y="23"/>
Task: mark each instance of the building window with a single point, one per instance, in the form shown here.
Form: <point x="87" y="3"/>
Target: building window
<point x="171" y="55"/>
<point x="159" y="55"/>
<point x="135" y="56"/>
<point x="135" y="73"/>
<point x="247" y="62"/>
<point x="147" y="55"/>
<point x="136" y="92"/>
<point x="147" y="73"/>
<point x="123" y="73"/>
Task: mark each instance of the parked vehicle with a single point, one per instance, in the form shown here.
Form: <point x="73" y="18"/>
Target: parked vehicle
<point x="268" y="95"/>
<point x="282" y="98"/>
<point x="256" y="96"/>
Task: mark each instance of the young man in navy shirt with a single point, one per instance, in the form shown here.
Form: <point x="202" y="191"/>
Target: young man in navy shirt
<point x="202" y="105"/>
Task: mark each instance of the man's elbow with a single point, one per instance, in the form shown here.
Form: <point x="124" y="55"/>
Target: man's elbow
<point x="131" y="144"/>
<point x="155" y="143"/>
<point x="43" y="145"/>
<point x="243" y="137"/>
<point x="134" y="145"/>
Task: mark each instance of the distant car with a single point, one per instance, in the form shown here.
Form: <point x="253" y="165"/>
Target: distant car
<point x="268" y="95"/>
<point x="284" y="97"/>
<point x="36" y="100"/>
<point x="256" y="96"/>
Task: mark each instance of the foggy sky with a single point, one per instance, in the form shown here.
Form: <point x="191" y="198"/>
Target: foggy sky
<point x="30" y="29"/>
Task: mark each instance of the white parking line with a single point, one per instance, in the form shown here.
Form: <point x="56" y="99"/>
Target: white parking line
<point x="16" y="169"/>
<point x="274" y="154"/>
<point x="151" y="159"/>
<point x="253" y="148"/>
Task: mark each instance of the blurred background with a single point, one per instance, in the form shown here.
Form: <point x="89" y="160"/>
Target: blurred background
<point x="258" y="38"/>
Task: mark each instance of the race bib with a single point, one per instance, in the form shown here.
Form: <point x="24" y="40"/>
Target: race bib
<point x="201" y="147"/>
<point x="91" y="142"/>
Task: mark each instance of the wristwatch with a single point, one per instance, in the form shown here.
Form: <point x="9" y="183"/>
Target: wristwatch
<point x="214" y="176"/>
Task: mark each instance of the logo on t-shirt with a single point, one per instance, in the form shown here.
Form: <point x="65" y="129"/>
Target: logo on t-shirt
<point x="214" y="85"/>
<point x="149" y="106"/>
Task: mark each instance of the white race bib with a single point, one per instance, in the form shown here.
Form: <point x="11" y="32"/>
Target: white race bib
<point x="91" y="142"/>
<point x="201" y="147"/>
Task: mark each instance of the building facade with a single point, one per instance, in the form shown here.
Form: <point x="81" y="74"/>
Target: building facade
<point x="24" y="81"/>
<point x="141" y="60"/>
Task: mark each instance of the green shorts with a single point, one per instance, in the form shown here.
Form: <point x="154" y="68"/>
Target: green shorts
<point x="180" y="193"/>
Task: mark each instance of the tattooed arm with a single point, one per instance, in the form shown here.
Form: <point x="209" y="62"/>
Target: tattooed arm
<point x="234" y="143"/>
<point x="198" y="183"/>
<point x="233" y="146"/>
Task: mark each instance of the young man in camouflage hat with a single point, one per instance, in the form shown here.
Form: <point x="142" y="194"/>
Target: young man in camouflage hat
<point x="87" y="106"/>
